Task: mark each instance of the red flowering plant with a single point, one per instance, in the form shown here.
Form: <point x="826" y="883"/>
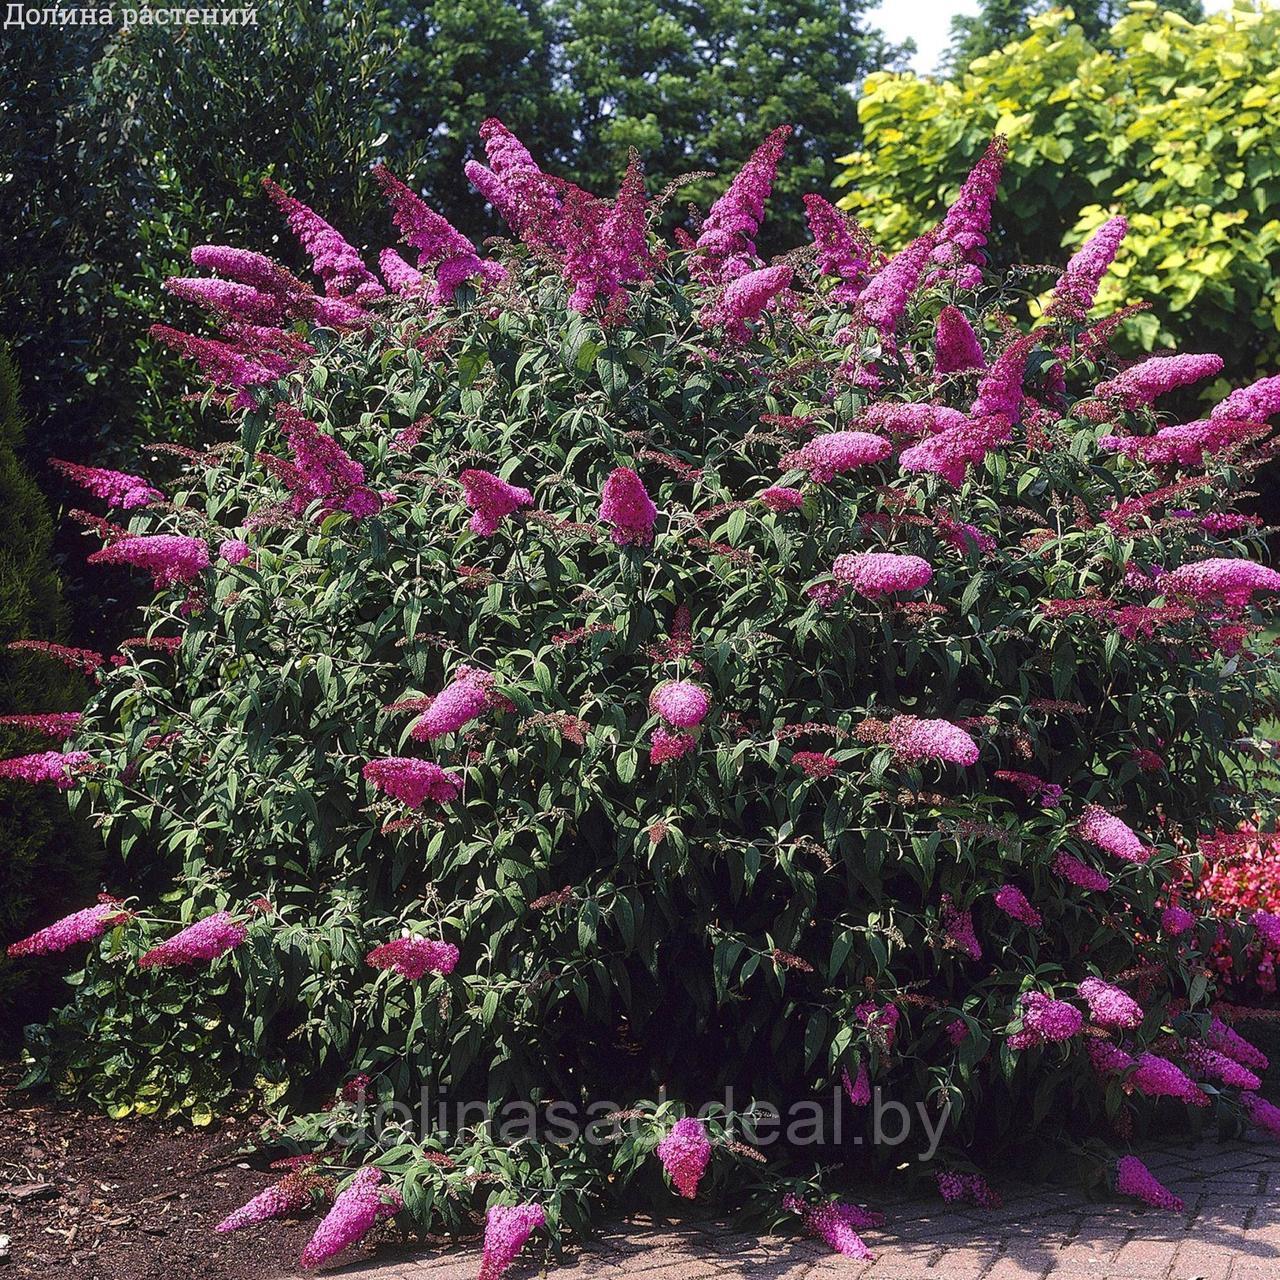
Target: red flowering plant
<point x="633" y="671"/>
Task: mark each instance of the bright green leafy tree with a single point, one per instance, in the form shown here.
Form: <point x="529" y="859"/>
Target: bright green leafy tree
<point x="1174" y="123"/>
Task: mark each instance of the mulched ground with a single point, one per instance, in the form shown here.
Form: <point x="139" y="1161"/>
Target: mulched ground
<point x="84" y="1196"/>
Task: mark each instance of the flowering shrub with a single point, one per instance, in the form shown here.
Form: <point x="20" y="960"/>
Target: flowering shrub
<point x="629" y="686"/>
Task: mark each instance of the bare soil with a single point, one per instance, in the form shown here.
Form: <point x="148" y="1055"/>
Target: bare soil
<point x="85" y="1196"/>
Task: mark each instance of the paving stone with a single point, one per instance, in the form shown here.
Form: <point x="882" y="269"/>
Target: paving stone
<point x="1231" y="1231"/>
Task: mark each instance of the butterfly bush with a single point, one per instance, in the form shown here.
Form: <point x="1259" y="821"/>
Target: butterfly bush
<point x="610" y="665"/>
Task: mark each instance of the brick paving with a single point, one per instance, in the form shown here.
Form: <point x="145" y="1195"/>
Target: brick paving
<point x="1229" y="1231"/>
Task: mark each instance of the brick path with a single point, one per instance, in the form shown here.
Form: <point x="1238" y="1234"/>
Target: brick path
<point x="1230" y="1231"/>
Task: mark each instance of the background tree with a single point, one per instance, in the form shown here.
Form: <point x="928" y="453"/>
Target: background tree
<point x="1174" y="123"/>
<point x="997" y="22"/>
<point x="44" y="862"/>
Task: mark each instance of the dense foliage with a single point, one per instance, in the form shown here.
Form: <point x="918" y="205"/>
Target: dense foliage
<point x="621" y="671"/>
<point x="1177" y="124"/>
<point x="44" y="864"/>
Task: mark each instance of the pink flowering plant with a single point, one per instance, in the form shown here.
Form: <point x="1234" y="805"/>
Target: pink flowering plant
<point x="641" y="669"/>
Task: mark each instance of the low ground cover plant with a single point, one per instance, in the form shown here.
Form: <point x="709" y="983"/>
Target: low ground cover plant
<point x="601" y="670"/>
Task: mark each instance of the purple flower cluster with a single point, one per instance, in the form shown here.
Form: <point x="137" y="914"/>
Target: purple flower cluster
<point x="1045" y="1021"/>
<point x="58" y="767"/>
<point x="321" y="470"/>
<point x="1077" y="287"/>
<point x="80" y="926"/>
<point x="1233" y="581"/>
<point x="414" y="958"/>
<point x="117" y="488"/>
<point x="355" y="1211"/>
<point x="883" y="301"/>
<point x="491" y="500"/>
<point x="1133" y="1178"/>
<point x="413" y="781"/>
<point x="1142" y="383"/>
<point x="198" y="943"/>
<point x="1079" y="873"/>
<point x="439" y="243"/>
<point x="879" y="573"/>
<point x="1108" y="1005"/>
<point x="465" y="698"/>
<point x="626" y="507"/>
<point x="682" y="704"/>
<point x="276" y="1201"/>
<point x="914" y="739"/>
<point x="726" y="245"/>
<point x="1013" y="902"/>
<point x="746" y="298"/>
<point x="957" y="923"/>
<point x="951" y="451"/>
<point x="1111" y="834"/>
<point x="335" y="261"/>
<point x="837" y="1225"/>
<point x="956" y="348"/>
<point x="685" y="1153"/>
<point x="506" y="1231"/>
<point x="841" y="249"/>
<point x="957" y="257"/>
<point x="169" y="558"/>
<point x="827" y="456"/>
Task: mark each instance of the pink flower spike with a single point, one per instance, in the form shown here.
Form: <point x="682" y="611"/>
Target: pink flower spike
<point x="413" y="781"/>
<point x="726" y="246"/>
<point x="780" y="498"/>
<point x="955" y="345"/>
<point x="170" y="558"/>
<point x="746" y="299"/>
<point x="1013" y="902"/>
<point x="626" y="506"/>
<point x="685" y="1153"/>
<point x="1110" y="834"/>
<point x="1133" y="1178"/>
<point x="833" y="454"/>
<point x="914" y="739"/>
<point x="465" y="698"/>
<point x="334" y="260"/>
<point x="414" y="958"/>
<point x="491" y="500"/>
<point x="1108" y="1005"/>
<point x="838" y="1225"/>
<point x="1233" y="581"/>
<point x="355" y="1211"/>
<point x="1077" y="287"/>
<point x="858" y="1090"/>
<point x="52" y="724"/>
<point x="1139" y="385"/>
<point x="1079" y="873"/>
<point x="506" y="1231"/>
<point x="874" y="574"/>
<point x="277" y="1201"/>
<point x="62" y="768"/>
<point x="198" y="943"/>
<point x="1227" y="1040"/>
<point x="116" y="488"/>
<point x="440" y="244"/>
<point x="841" y="247"/>
<point x="668" y="746"/>
<point x="70" y="931"/>
<point x="682" y="704"/>
<point x="233" y="550"/>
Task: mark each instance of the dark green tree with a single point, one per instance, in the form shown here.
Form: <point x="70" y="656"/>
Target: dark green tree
<point x="44" y="863"/>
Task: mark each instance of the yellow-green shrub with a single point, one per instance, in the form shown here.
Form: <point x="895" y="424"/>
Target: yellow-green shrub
<point x="1175" y="124"/>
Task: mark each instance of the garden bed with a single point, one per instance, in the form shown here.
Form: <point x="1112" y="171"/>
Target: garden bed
<point x="132" y="1199"/>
